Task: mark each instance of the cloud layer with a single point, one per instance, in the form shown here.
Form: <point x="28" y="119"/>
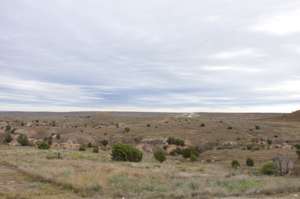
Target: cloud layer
<point x="159" y="55"/>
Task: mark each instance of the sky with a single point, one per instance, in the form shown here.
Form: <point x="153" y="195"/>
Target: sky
<point x="158" y="55"/>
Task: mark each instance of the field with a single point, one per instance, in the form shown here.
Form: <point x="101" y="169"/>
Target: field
<point x="63" y="171"/>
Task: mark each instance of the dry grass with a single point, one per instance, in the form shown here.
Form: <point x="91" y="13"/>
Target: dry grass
<point x="91" y="175"/>
<point x="98" y="176"/>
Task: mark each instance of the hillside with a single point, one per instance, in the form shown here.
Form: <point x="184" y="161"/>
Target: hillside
<point x="66" y="171"/>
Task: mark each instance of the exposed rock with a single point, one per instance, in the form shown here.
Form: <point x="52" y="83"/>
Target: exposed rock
<point x="283" y="165"/>
<point x="154" y="141"/>
<point x="29" y="124"/>
<point x="206" y="146"/>
<point x="146" y="147"/>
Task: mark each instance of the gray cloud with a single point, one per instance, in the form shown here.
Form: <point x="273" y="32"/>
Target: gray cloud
<point x="168" y="55"/>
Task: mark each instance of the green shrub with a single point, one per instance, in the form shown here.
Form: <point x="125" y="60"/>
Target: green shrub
<point x="43" y="145"/>
<point x="190" y="152"/>
<point x="48" y="140"/>
<point x="269" y="141"/>
<point x="126" y="130"/>
<point x="230" y="128"/>
<point x="194" y="157"/>
<point x="58" y="136"/>
<point x="159" y="155"/>
<point x="249" y="162"/>
<point x="7" y="138"/>
<point x="95" y="149"/>
<point x="202" y="125"/>
<point x="177" y="151"/>
<point x="125" y="152"/>
<point x="82" y="147"/>
<point x="257" y="127"/>
<point x="268" y="169"/>
<point x="297" y="146"/>
<point x="104" y="142"/>
<point x="90" y="145"/>
<point x="8" y="128"/>
<point x="235" y="164"/>
<point x="250" y="146"/>
<point x="175" y="141"/>
<point x="23" y="140"/>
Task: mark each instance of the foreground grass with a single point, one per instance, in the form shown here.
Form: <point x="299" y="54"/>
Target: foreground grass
<point x="95" y="176"/>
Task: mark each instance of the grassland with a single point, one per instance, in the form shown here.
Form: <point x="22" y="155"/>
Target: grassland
<point x="30" y="173"/>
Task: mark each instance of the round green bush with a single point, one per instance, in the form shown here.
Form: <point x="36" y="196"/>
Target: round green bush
<point x="190" y="152"/>
<point x="125" y="152"/>
<point x="43" y="145"/>
<point x="176" y="141"/>
<point x="177" y="151"/>
<point x="268" y="169"/>
<point x="126" y="129"/>
<point x="194" y="157"/>
<point x="7" y="138"/>
<point x="297" y="146"/>
<point x="95" y="149"/>
<point x="235" y="164"/>
<point x="104" y="142"/>
<point x="23" y="140"/>
<point x="249" y="162"/>
<point x="159" y="155"/>
<point x="8" y="128"/>
<point x="82" y="147"/>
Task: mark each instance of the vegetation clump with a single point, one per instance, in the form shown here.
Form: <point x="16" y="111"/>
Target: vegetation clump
<point x="191" y="153"/>
<point x="297" y="146"/>
<point x="7" y="138"/>
<point x="193" y="157"/>
<point x="250" y="162"/>
<point x="175" y="141"/>
<point x="82" y="147"/>
<point x="8" y="128"/>
<point x="95" y="149"/>
<point x="235" y="164"/>
<point x="159" y="155"/>
<point x="48" y="140"/>
<point x="104" y="142"/>
<point x="269" y="141"/>
<point x="23" y="140"/>
<point x="177" y="151"/>
<point x="125" y="152"/>
<point x="126" y="130"/>
<point x="268" y="169"/>
<point x="43" y="145"/>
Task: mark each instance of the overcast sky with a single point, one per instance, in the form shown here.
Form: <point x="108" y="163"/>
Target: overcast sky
<point x="157" y="55"/>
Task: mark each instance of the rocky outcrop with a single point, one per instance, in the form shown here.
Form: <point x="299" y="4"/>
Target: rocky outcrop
<point x="283" y="165"/>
